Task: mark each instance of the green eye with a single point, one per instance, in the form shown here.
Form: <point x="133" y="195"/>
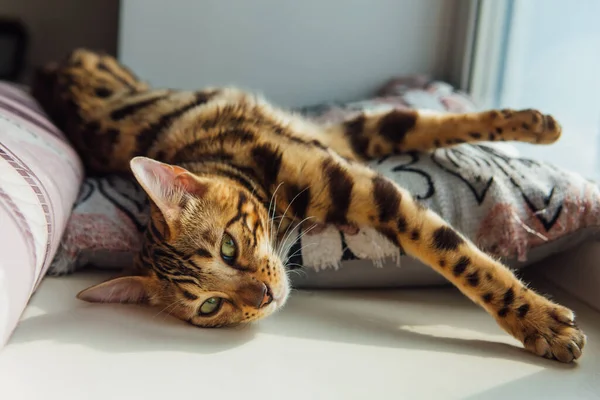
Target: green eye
<point x="211" y="306"/>
<point x="228" y="248"/>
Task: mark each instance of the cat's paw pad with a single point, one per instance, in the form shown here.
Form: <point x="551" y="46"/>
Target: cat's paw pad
<point x="556" y="336"/>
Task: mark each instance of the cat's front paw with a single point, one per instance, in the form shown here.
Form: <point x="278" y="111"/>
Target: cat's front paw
<point x="549" y="330"/>
<point x="557" y="336"/>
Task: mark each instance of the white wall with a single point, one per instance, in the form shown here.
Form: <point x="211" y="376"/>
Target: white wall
<point x="296" y="52"/>
<point x="58" y="26"/>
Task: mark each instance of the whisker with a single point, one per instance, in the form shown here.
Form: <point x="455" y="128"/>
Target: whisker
<point x="275" y="218"/>
<point x="287" y="234"/>
<point x="171" y="305"/>
<point x="271" y="205"/>
<point x="289" y="205"/>
<point x="285" y="246"/>
<point x="299" y="224"/>
<point x="299" y="271"/>
<point x="294" y="265"/>
<point x="274" y="197"/>
<point x="301" y="249"/>
<point x="304" y="232"/>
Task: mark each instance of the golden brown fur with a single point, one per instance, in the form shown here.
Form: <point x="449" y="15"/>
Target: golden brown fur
<point x="224" y="156"/>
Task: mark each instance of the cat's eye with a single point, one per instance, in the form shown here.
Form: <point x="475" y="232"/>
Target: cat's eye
<point x="228" y="248"/>
<point x="210" y="306"/>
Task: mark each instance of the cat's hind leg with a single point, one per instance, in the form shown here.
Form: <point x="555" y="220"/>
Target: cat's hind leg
<point x="83" y="82"/>
<point x="376" y="134"/>
<point x="107" y="113"/>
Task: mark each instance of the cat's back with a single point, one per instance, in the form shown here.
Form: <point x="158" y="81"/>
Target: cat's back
<point x="229" y="126"/>
<point x="111" y="116"/>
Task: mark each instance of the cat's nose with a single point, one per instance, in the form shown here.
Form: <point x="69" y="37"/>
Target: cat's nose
<point x="256" y="294"/>
<point x="267" y="297"/>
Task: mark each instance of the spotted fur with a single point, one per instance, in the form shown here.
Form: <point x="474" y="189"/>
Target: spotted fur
<point x="219" y="160"/>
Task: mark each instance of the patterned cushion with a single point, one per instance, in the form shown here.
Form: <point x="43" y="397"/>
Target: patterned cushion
<point x="517" y="209"/>
<point x="514" y="208"/>
<point x="104" y="227"/>
<point x="39" y="179"/>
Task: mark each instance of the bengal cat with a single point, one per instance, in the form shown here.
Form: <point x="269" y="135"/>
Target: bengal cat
<point x="219" y="164"/>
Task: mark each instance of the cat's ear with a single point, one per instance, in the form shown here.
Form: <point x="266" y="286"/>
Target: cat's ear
<point x="125" y="289"/>
<point x="167" y="185"/>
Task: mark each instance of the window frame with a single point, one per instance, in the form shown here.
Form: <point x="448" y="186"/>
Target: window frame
<point x="485" y="57"/>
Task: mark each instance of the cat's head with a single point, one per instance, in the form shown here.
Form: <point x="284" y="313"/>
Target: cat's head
<point x="207" y="255"/>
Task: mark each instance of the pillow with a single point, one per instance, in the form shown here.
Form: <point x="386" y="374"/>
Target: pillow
<point x="517" y="209"/>
<point x="104" y="227"/>
<point x="40" y="176"/>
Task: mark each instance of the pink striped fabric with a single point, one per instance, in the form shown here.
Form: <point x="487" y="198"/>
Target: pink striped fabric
<point x="40" y="176"/>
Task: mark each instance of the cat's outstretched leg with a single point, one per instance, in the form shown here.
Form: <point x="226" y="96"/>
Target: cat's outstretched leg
<point x="372" y="135"/>
<point x="349" y="193"/>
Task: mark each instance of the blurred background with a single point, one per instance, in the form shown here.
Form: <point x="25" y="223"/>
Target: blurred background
<point x="505" y="53"/>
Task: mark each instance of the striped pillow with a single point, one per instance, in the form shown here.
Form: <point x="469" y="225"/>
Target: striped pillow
<point x="40" y="176"/>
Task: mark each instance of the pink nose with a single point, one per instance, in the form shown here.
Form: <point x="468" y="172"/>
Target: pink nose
<point x="255" y="293"/>
<point x="267" y="297"/>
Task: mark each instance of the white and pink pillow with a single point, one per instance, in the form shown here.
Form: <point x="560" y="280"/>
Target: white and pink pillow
<point x="40" y="176"/>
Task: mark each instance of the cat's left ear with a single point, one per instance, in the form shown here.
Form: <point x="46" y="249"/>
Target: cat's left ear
<point x="125" y="289"/>
<point x="166" y="185"/>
